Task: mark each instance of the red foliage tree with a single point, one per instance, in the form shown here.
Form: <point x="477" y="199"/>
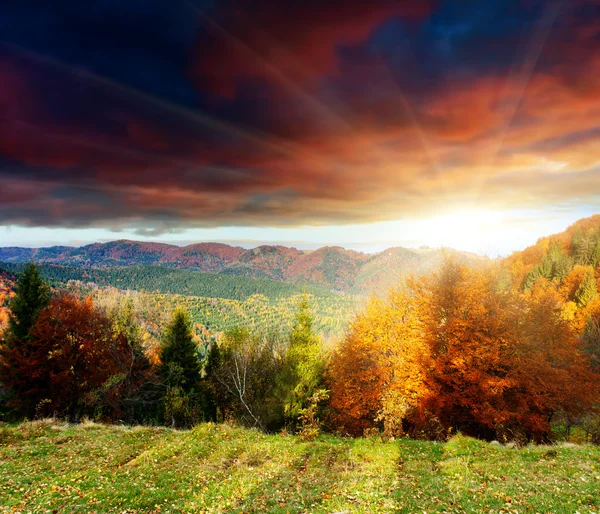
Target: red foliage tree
<point x="549" y="368"/>
<point x="73" y="352"/>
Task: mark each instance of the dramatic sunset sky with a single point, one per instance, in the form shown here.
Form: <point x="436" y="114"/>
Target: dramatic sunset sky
<point x="364" y="123"/>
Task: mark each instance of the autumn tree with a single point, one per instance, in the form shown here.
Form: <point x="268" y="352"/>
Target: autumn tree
<point x="570" y="284"/>
<point x="134" y="391"/>
<point x="550" y="369"/>
<point x="463" y="322"/>
<point x="68" y="358"/>
<point x="373" y="374"/>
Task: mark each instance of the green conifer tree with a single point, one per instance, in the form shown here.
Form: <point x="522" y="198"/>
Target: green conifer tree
<point x="596" y="255"/>
<point x="303" y="370"/>
<point x="180" y="365"/>
<point x="32" y="294"/>
<point x="587" y="290"/>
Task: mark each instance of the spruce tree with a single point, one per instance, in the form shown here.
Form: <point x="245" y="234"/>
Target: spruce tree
<point x="576" y="244"/>
<point x="596" y="255"/>
<point x="303" y="369"/>
<point x="31" y="295"/>
<point x="587" y="290"/>
<point x="180" y="365"/>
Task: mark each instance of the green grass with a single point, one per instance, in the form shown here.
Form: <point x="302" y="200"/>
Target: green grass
<point x="48" y="466"/>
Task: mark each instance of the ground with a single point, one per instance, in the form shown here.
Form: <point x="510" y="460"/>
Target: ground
<point x="48" y="466"/>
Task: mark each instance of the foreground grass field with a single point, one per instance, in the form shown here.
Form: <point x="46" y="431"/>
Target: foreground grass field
<point x="46" y="466"/>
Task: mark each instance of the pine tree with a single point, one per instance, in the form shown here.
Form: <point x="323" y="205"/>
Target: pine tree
<point x="180" y="365"/>
<point x="596" y="255"/>
<point x="587" y="290"/>
<point x="32" y="295"/>
<point x="555" y="265"/>
<point x="576" y="244"/>
<point x="583" y="246"/>
<point x="303" y="371"/>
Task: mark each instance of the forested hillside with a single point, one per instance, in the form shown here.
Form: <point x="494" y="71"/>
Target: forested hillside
<point x="256" y="313"/>
<point x="555" y="256"/>
<point x="172" y="281"/>
<point x="328" y="267"/>
<point x="215" y="302"/>
<point x="567" y="263"/>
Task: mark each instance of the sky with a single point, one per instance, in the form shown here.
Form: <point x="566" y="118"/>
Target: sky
<point x="366" y="124"/>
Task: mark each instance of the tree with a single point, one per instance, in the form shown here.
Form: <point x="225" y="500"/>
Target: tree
<point x="591" y="340"/>
<point x="186" y="400"/>
<point x="303" y="370"/>
<point x="180" y="365"/>
<point x="595" y="259"/>
<point x="555" y="266"/>
<point x="551" y="372"/>
<point x="67" y="359"/>
<point x="133" y="392"/>
<point x="373" y="374"/>
<point x="587" y="290"/>
<point x="32" y="295"/>
<point x="245" y="378"/>
<point x="583" y="247"/>
<point x="570" y="284"/>
<point x="463" y="325"/>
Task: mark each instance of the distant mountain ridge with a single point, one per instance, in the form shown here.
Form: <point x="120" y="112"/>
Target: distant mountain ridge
<point x="332" y="267"/>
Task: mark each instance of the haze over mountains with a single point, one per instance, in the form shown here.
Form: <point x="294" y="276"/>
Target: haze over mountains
<point x="331" y="266"/>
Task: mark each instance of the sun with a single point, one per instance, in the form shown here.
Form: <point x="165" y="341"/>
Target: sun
<point x="465" y="228"/>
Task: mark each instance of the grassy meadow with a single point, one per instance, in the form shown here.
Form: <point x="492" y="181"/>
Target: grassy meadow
<point x="49" y="466"/>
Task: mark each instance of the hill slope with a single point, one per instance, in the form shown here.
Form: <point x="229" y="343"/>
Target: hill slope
<point x="218" y="468"/>
<point x="570" y="251"/>
<point x="171" y="281"/>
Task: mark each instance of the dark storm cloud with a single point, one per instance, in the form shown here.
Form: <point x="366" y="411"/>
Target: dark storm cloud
<point x="201" y="113"/>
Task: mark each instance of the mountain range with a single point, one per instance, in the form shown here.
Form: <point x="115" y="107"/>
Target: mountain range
<point x="331" y="267"/>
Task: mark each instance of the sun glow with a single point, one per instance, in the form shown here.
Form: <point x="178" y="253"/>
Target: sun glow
<point x="461" y="229"/>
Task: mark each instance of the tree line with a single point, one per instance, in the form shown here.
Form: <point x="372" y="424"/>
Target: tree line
<point x="460" y="349"/>
<point x="63" y="355"/>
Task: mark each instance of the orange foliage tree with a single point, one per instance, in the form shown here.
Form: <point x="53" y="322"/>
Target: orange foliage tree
<point x="464" y="325"/>
<point x="550" y="370"/>
<point x="372" y="374"/>
<point x="461" y="351"/>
